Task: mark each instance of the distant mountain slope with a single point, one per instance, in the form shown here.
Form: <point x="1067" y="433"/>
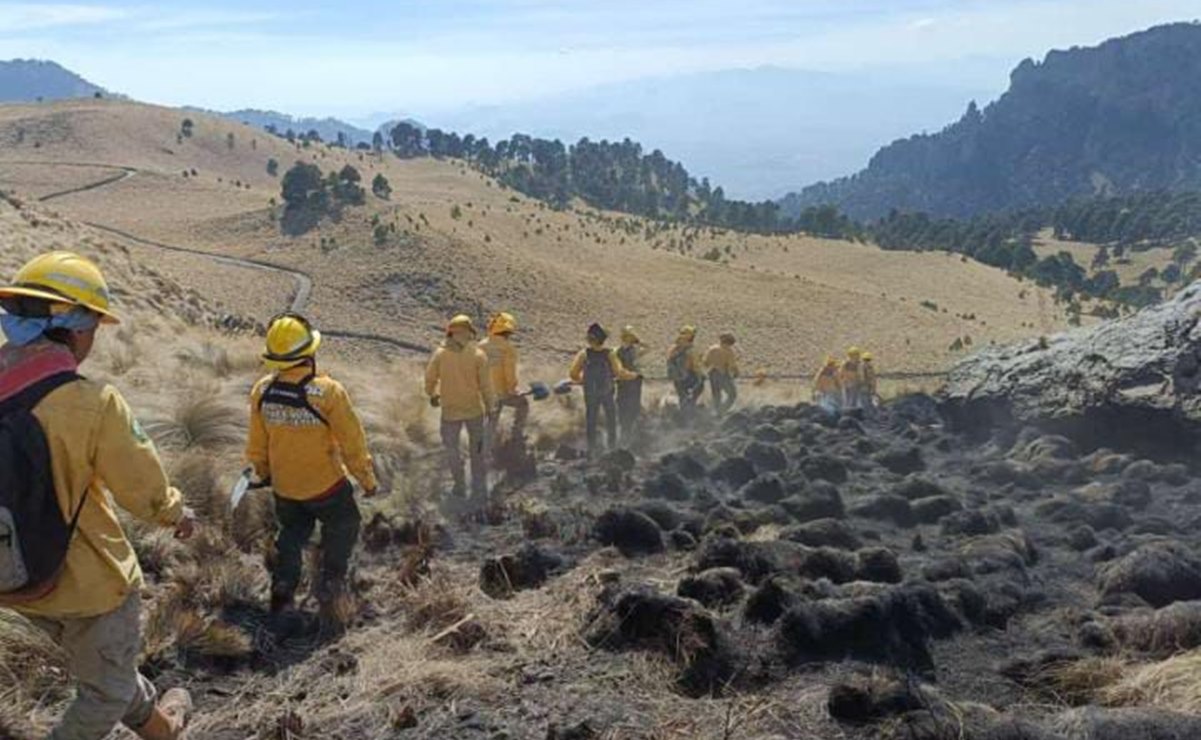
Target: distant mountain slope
<point x="756" y="132"/>
<point x="27" y="80"/>
<point x="1118" y="118"/>
<point x="328" y="128"/>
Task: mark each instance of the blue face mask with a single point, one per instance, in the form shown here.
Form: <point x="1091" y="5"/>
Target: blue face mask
<point x="22" y="330"/>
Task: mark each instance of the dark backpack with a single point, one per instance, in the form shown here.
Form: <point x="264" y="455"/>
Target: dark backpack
<point x="291" y="395"/>
<point x="35" y="532"/>
<point x="598" y="372"/>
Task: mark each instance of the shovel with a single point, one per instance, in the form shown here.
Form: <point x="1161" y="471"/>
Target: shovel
<point x="243" y="486"/>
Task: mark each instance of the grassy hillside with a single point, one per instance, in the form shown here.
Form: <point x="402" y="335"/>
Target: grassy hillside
<point x="457" y="241"/>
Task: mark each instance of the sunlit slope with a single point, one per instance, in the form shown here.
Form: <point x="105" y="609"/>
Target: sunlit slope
<point x="455" y="240"/>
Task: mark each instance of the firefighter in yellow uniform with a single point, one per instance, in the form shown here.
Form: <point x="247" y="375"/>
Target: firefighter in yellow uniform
<point x="306" y="439"/>
<point x="827" y="389"/>
<point x="502" y="367"/>
<point x="457" y="381"/>
<point x="722" y="363"/>
<point x="850" y="376"/>
<point x="871" y="383"/>
<point x="98" y="459"/>
<point x="684" y="371"/>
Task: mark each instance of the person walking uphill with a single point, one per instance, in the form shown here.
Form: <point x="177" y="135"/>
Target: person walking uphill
<point x="827" y="389"/>
<point x="306" y="439"/>
<point x="684" y="371"/>
<point x="71" y="452"/>
<point x="502" y="368"/>
<point x="597" y="368"/>
<point x="722" y="363"/>
<point x="629" y="392"/>
<point x="458" y="382"/>
<point x="850" y="376"/>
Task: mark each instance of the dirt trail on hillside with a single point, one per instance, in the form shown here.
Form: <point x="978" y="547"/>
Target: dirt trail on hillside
<point x="304" y="282"/>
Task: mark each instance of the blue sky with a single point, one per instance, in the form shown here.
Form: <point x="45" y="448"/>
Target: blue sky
<point x="422" y="56"/>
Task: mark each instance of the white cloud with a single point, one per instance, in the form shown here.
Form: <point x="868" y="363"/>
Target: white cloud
<point x="18" y="17"/>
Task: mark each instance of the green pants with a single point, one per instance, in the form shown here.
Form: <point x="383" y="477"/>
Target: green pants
<point x="339" y="518"/>
<point x="102" y="656"/>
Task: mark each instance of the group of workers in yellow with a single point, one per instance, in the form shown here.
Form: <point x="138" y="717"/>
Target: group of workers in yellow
<point x="71" y="451"/>
<point x="849" y="385"/>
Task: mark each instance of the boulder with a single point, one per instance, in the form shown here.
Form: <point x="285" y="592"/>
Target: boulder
<point x="1129" y="382"/>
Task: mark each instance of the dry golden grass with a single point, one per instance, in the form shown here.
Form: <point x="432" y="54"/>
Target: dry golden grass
<point x="790" y="299"/>
<point x="1173" y="684"/>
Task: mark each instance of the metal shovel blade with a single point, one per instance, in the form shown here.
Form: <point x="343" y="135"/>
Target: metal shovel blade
<point x="239" y="491"/>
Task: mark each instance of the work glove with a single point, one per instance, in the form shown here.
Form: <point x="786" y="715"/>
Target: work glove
<point x="435" y="401"/>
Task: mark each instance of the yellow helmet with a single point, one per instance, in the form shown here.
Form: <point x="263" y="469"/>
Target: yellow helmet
<point x="688" y="331"/>
<point x="291" y="339"/>
<point x="854" y="353"/>
<point x="831" y="361"/>
<point x="65" y="279"/>
<point x="462" y="321"/>
<point x="867" y="356"/>
<point x="629" y="336"/>
<point x="502" y="323"/>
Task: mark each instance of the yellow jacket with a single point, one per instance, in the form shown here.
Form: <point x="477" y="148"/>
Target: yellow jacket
<point x="459" y="374"/>
<point x="576" y="372"/>
<point x="723" y="359"/>
<point x="303" y="457"/>
<point x="827" y="381"/>
<point x="689" y="365"/>
<point x="502" y="365"/>
<point x="95" y="445"/>
<point x="849" y="374"/>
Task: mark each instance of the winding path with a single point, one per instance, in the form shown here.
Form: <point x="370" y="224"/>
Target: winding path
<point x="301" y="294"/>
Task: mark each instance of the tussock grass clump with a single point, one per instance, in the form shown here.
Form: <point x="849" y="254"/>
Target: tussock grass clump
<point x="30" y="663"/>
<point x="200" y="419"/>
<point x="1173" y="684"/>
<point x="435" y="605"/>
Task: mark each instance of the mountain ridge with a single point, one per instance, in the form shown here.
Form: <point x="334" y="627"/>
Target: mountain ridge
<point x="1117" y="118"/>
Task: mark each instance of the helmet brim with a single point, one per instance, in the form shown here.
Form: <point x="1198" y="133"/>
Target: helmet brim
<point x="309" y="352"/>
<point x="106" y="317"/>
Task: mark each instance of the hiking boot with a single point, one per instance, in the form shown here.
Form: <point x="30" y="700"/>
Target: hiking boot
<point x="169" y="720"/>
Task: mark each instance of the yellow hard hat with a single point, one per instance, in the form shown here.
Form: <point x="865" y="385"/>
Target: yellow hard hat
<point x="831" y="361"/>
<point x="688" y="331"/>
<point x="854" y="352"/>
<point x="65" y="279"/>
<point x="462" y="321"/>
<point x="502" y="323"/>
<point x="629" y="336"/>
<point x="867" y="356"/>
<point x="291" y="339"/>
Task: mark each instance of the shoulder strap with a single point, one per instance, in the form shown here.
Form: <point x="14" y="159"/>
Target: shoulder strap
<point x="27" y="399"/>
<point x="292" y="394"/>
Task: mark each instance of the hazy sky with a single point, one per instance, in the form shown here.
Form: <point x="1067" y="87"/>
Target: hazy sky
<point x="422" y="56"/>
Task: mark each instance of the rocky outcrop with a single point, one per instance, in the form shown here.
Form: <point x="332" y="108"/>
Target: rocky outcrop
<point x="1128" y="381"/>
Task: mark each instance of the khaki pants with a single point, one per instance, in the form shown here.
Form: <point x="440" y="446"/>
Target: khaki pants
<point x="452" y="434"/>
<point x="521" y="415"/>
<point x="102" y="656"/>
